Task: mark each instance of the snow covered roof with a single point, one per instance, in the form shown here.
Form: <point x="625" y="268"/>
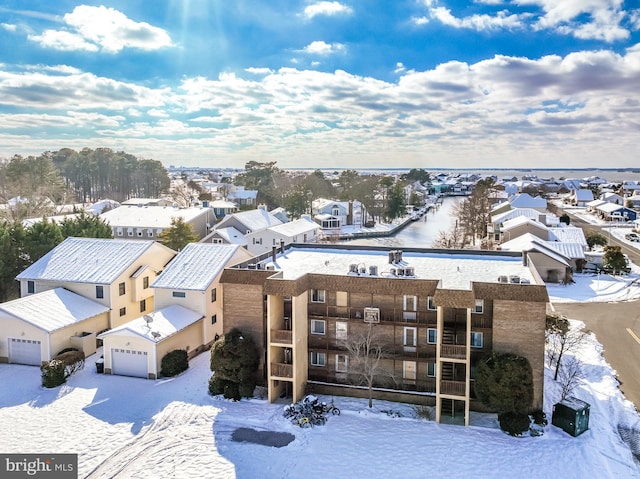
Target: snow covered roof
<point x="454" y="271"/>
<point x="507" y="215"/>
<point x="528" y="242"/>
<point x="229" y="234"/>
<point x="568" y="234"/>
<point x="596" y="203"/>
<point x="609" y="207"/>
<point x="222" y="204"/>
<point x="196" y="266"/>
<point x="87" y="260"/>
<point x="525" y="200"/>
<point x="296" y="227"/>
<point x="53" y="309"/>
<point x="99" y="206"/>
<point x="255" y="220"/>
<point x="162" y="324"/>
<point x="584" y="195"/>
<point x="520" y="221"/>
<point x="151" y="216"/>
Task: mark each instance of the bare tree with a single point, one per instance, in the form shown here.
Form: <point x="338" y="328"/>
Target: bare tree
<point x="367" y="351"/>
<point x="561" y="339"/>
<point x="569" y="375"/>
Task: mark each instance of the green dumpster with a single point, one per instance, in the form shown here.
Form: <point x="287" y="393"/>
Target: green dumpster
<point x="571" y="415"/>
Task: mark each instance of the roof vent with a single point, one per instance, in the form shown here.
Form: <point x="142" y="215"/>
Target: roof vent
<point x="155" y="334"/>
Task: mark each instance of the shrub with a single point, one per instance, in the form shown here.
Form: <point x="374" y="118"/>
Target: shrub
<point x="424" y="412"/>
<point x="174" y="362"/>
<point x="514" y="423"/>
<point x="504" y="382"/>
<point x="234" y="362"/>
<point x="539" y="417"/>
<point x="53" y="373"/>
<point x="73" y="361"/>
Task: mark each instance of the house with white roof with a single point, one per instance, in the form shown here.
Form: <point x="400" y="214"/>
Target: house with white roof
<point x="136" y="348"/>
<point x="580" y="197"/>
<point x="147" y="222"/>
<point x="242" y="197"/>
<point x="115" y="273"/>
<point x="192" y="280"/>
<point x="615" y="212"/>
<point x="611" y="197"/>
<point x="332" y="215"/>
<point x="35" y="328"/>
<point x="525" y="200"/>
<point x="494" y="228"/>
<point x="521" y="225"/>
<point x="228" y="235"/>
<point x="303" y="230"/>
<point x="247" y="222"/>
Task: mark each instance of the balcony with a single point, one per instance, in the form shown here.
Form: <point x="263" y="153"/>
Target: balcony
<point x="453" y="388"/>
<point x="388" y="315"/>
<point x="282" y="370"/>
<point x="281" y="336"/>
<point x="453" y="351"/>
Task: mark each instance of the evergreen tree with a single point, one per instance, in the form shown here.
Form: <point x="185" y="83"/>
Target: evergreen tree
<point x="179" y="235"/>
<point x="234" y="362"/>
<point x="86" y="226"/>
<point x="12" y="258"/>
<point x="396" y="204"/>
<point x="504" y="383"/>
<point x="614" y="260"/>
<point x="41" y="238"/>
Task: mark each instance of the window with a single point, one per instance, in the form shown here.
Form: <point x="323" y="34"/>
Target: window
<point x="216" y="240"/>
<point x="318" y="359"/>
<point x="317" y="326"/>
<point x="214" y="319"/>
<point x="318" y="295"/>
<point x="341" y="330"/>
<point x="410" y="304"/>
<point x="342" y="363"/>
<point x="123" y="311"/>
<point x="121" y="289"/>
<point x="99" y="292"/>
<point x="214" y="295"/>
<point x="31" y="287"/>
<point x="409" y="336"/>
<point x="409" y="370"/>
<point x="432" y="336"/>
<point x="178" y="294"/>
<point x="143" y="305"/>
<point x="145" y="282"/>
<point x="431" y="370"/>
<point x="476" y="340"/>
<point x="479" y="307"/>
<point x="430" y="305"/>
<point x="342" y="298"/>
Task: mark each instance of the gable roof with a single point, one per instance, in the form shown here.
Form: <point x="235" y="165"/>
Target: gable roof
<point x="255" y="220"/>
<point x="87" y="260"/>
<point x="584" y="195"/>
<point x="228" y="234"/>
<point x="507" y="215"/>
<point x="53" y="309"/>
<point x="196" y="266"/>
<point x="568" y="234"/>
<point x="151" y="216"/>
<point x="520" y="221"/>
<point x="528" y="242"/>
<point x="296" y="227"/>
<point x="525" y="200"/>
<point x="164" y="323"/>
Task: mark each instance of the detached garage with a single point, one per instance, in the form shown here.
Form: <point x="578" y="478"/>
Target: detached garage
<point x="136" y="348"/>
<point x="37" y="327"/>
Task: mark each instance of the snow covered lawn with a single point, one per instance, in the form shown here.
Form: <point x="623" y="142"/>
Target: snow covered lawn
<point x="134" y="428"/>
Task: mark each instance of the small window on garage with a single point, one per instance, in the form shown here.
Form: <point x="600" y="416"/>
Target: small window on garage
<point x="99" y="291"/>
<point x="178" y="294"/>
<point x="31" y="287"/>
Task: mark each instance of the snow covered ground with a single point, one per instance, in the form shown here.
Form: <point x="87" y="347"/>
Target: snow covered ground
<point x="171" y="428"/>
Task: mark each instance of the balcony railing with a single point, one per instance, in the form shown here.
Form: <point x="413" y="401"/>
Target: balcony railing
<point x="452" y="388"/>
<point x="282" y="370"/>
<point x="453" y="351"/>
<point x="386" y="314"/>
<point x="281" y="336"/>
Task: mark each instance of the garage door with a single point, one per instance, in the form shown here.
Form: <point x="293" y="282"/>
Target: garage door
<point x="128" y="362"/>
<point x="24" y="351"/>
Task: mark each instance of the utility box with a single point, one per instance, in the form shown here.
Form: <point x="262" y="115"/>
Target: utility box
<point x="571" y="415"/>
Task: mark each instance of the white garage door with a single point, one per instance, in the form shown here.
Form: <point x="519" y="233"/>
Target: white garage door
<point x="128" y="362"/>
<point x="24" y="351"/>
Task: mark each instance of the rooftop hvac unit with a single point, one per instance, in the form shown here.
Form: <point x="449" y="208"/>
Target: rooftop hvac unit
<point x="400" y="271"/>
<point x="362" y="270"/>
<point x="392" y="271"/>
<point x="353" y="268"/>
<point x="252" y="266"/>
<point x="514" y="279"/>
<point x="409" y="271"/>
<point x="503" y="279"/>
<point x="524" y="281"/>
<point x="270" y="267"/>
<point x="371" y="315"/>
<point x="373" y="270"/>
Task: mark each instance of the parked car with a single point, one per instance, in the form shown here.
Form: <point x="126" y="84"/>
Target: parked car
<point x="632" y="237"/>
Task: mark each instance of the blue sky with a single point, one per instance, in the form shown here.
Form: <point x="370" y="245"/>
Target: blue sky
<point x="326" y="84"/>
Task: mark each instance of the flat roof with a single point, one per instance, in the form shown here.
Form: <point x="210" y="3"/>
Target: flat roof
<point x="455" y="269"/>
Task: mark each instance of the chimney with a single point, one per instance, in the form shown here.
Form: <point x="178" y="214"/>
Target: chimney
<point x="274" y="251"/>
<point x="525" y="259"/>
<point x="282" y="246"/>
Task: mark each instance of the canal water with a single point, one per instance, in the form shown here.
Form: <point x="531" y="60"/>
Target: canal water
<point x="417" y="234"/>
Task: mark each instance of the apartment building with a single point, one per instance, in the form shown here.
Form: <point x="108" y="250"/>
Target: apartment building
<point x="433" y="312"/>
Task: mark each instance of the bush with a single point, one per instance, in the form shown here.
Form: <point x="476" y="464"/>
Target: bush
<point x="73" y="361"/>
<point x="504" y="382"/>
<point x="514" y="423"/>
<point x="53" y="373"/>
<point x="234" y="362"/>
<point x="174" y="362"/>
<point x="425" y="412"/>
<point x="539" y="417"/>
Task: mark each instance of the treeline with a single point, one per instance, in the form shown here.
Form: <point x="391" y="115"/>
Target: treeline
<point x="84" y="176"/>
<point x="21" y="246"/>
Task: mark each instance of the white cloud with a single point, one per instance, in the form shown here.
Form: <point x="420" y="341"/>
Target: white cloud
<point x="326" y="8"/>
<point x="102" y="29"/>
<point x="9" y="27"/>
<point x="322" y="48"/>
<point x="258" y="71"/>
<point x="400" y="68"/>
<point x="634" y="18"/>
<point x="502" y="20"/>
<point x="420" y="20"/>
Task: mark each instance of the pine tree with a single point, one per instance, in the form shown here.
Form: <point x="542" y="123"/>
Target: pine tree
<point x="234" y="362"/>
<point x="179" y="235"/>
